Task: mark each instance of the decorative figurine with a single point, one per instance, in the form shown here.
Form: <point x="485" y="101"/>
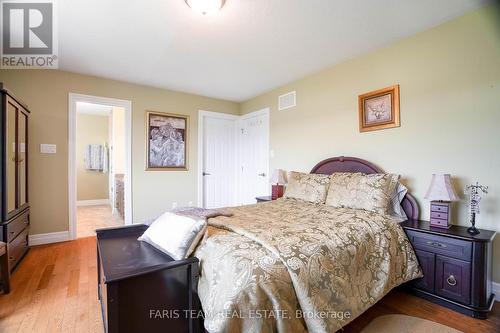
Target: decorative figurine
<point x="474" y="199"/>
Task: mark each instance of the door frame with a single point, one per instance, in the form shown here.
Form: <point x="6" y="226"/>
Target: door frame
<point x="73" y="98"/>
<point x="201" y="123"/>
<point x="267" y="112"/>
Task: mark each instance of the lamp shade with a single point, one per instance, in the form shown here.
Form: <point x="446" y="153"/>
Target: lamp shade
<point x="441" y="189"/>
<point x="278" y="177"/>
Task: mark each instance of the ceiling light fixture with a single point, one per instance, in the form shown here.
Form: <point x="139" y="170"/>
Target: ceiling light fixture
<point x="206" y="6"/>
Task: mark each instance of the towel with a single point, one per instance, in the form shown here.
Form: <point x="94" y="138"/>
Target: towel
<point x="96" y="158"/>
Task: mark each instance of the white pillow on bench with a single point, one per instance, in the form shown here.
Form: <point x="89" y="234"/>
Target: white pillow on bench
<point x="176" y="235"/>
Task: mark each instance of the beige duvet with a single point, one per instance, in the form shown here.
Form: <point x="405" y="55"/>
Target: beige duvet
<point x="292" y="266"/>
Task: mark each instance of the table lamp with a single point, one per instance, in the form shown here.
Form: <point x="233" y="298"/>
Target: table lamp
<point x="441" y="193"/>
<point x="278" y="179"/>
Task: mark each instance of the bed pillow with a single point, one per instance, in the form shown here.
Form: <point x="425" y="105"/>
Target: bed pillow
<point x="175" y="235"/>
<point x="307" y="186"/>
<point x="397" y="198"/>
<point x="373" y="192"/>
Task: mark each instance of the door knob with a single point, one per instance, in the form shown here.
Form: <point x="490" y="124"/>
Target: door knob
<point x="205" y="173"/>
<point x="262" y="174"/>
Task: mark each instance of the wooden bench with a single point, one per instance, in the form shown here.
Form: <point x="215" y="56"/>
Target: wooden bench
<point x="142" y="289"/>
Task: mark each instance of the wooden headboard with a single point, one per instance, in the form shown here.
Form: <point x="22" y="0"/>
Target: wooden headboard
<point x="353" y="164"/>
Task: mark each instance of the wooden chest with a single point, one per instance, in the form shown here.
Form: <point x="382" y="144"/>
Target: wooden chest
<point x="142" y="289"/>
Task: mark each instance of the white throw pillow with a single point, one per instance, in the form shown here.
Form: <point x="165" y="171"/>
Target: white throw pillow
<point x="176" y="235"/>
<point x="396" y="199"/>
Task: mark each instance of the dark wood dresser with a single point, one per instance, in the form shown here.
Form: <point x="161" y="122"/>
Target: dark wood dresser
<point x="14" y="204"/>
<point x="457" y="267"/>
<point x="142" y="289"/>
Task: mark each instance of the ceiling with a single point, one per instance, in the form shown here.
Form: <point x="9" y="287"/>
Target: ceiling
<point x="93" y="109"/>
<point x="249" y="47"/>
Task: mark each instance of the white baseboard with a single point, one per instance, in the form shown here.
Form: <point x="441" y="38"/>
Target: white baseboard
<point x="93" y="202"/>
<point x="496" y="290"/>
<point x="51" y="237"/>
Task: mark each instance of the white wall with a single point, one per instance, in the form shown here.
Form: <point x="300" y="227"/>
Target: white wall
<point x="118" y="134"/>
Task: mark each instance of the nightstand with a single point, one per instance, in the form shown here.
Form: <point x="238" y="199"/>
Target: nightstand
<point x="264" y="198"/>
<point x="456" y="265"/>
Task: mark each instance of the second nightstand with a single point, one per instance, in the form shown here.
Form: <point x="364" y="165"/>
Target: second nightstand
<point x="264" y="198"/>
<point x="456" y="266"/>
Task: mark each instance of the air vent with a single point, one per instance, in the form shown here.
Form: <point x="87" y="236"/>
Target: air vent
<point x="287" y="101"/>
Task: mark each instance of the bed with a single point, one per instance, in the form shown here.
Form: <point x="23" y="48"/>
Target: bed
<point x="294" y="266"/>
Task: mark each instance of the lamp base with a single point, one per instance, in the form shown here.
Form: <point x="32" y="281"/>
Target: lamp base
<point x="277" y="191"/>
<point x="473" y="230"/>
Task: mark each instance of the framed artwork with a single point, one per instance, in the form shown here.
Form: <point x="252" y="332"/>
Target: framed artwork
<point x="167" y="141"/>
<point x="379" y="109"/>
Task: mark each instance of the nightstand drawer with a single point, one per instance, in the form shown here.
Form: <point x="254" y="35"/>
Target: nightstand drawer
<point x="439" y="222"/>
<point x="439" y="216"/>
<point x="453" y="279"/>
<point x="439" y="208"/>
<point x="450" y="247"/>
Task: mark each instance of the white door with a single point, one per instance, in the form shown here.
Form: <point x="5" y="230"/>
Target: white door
<point x="254" y="156"/>
<point x="219" y="161"/>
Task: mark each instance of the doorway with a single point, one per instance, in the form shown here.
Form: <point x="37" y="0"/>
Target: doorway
<point x="233" y="158"/>
<point x="99" y="165"/>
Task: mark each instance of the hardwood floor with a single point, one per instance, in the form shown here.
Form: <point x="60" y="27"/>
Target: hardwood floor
<point x="398" y="302"/>
<point x="55" y="290"/>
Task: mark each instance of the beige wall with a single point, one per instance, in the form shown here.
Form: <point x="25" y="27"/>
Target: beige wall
<point x="46" y="93"/>
<point x="450" y="97"/>
<point x="90" y="129"/>
<point x="450" y="113"/>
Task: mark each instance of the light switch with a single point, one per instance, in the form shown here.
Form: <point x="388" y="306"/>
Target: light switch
<point x="48" y="148"/>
